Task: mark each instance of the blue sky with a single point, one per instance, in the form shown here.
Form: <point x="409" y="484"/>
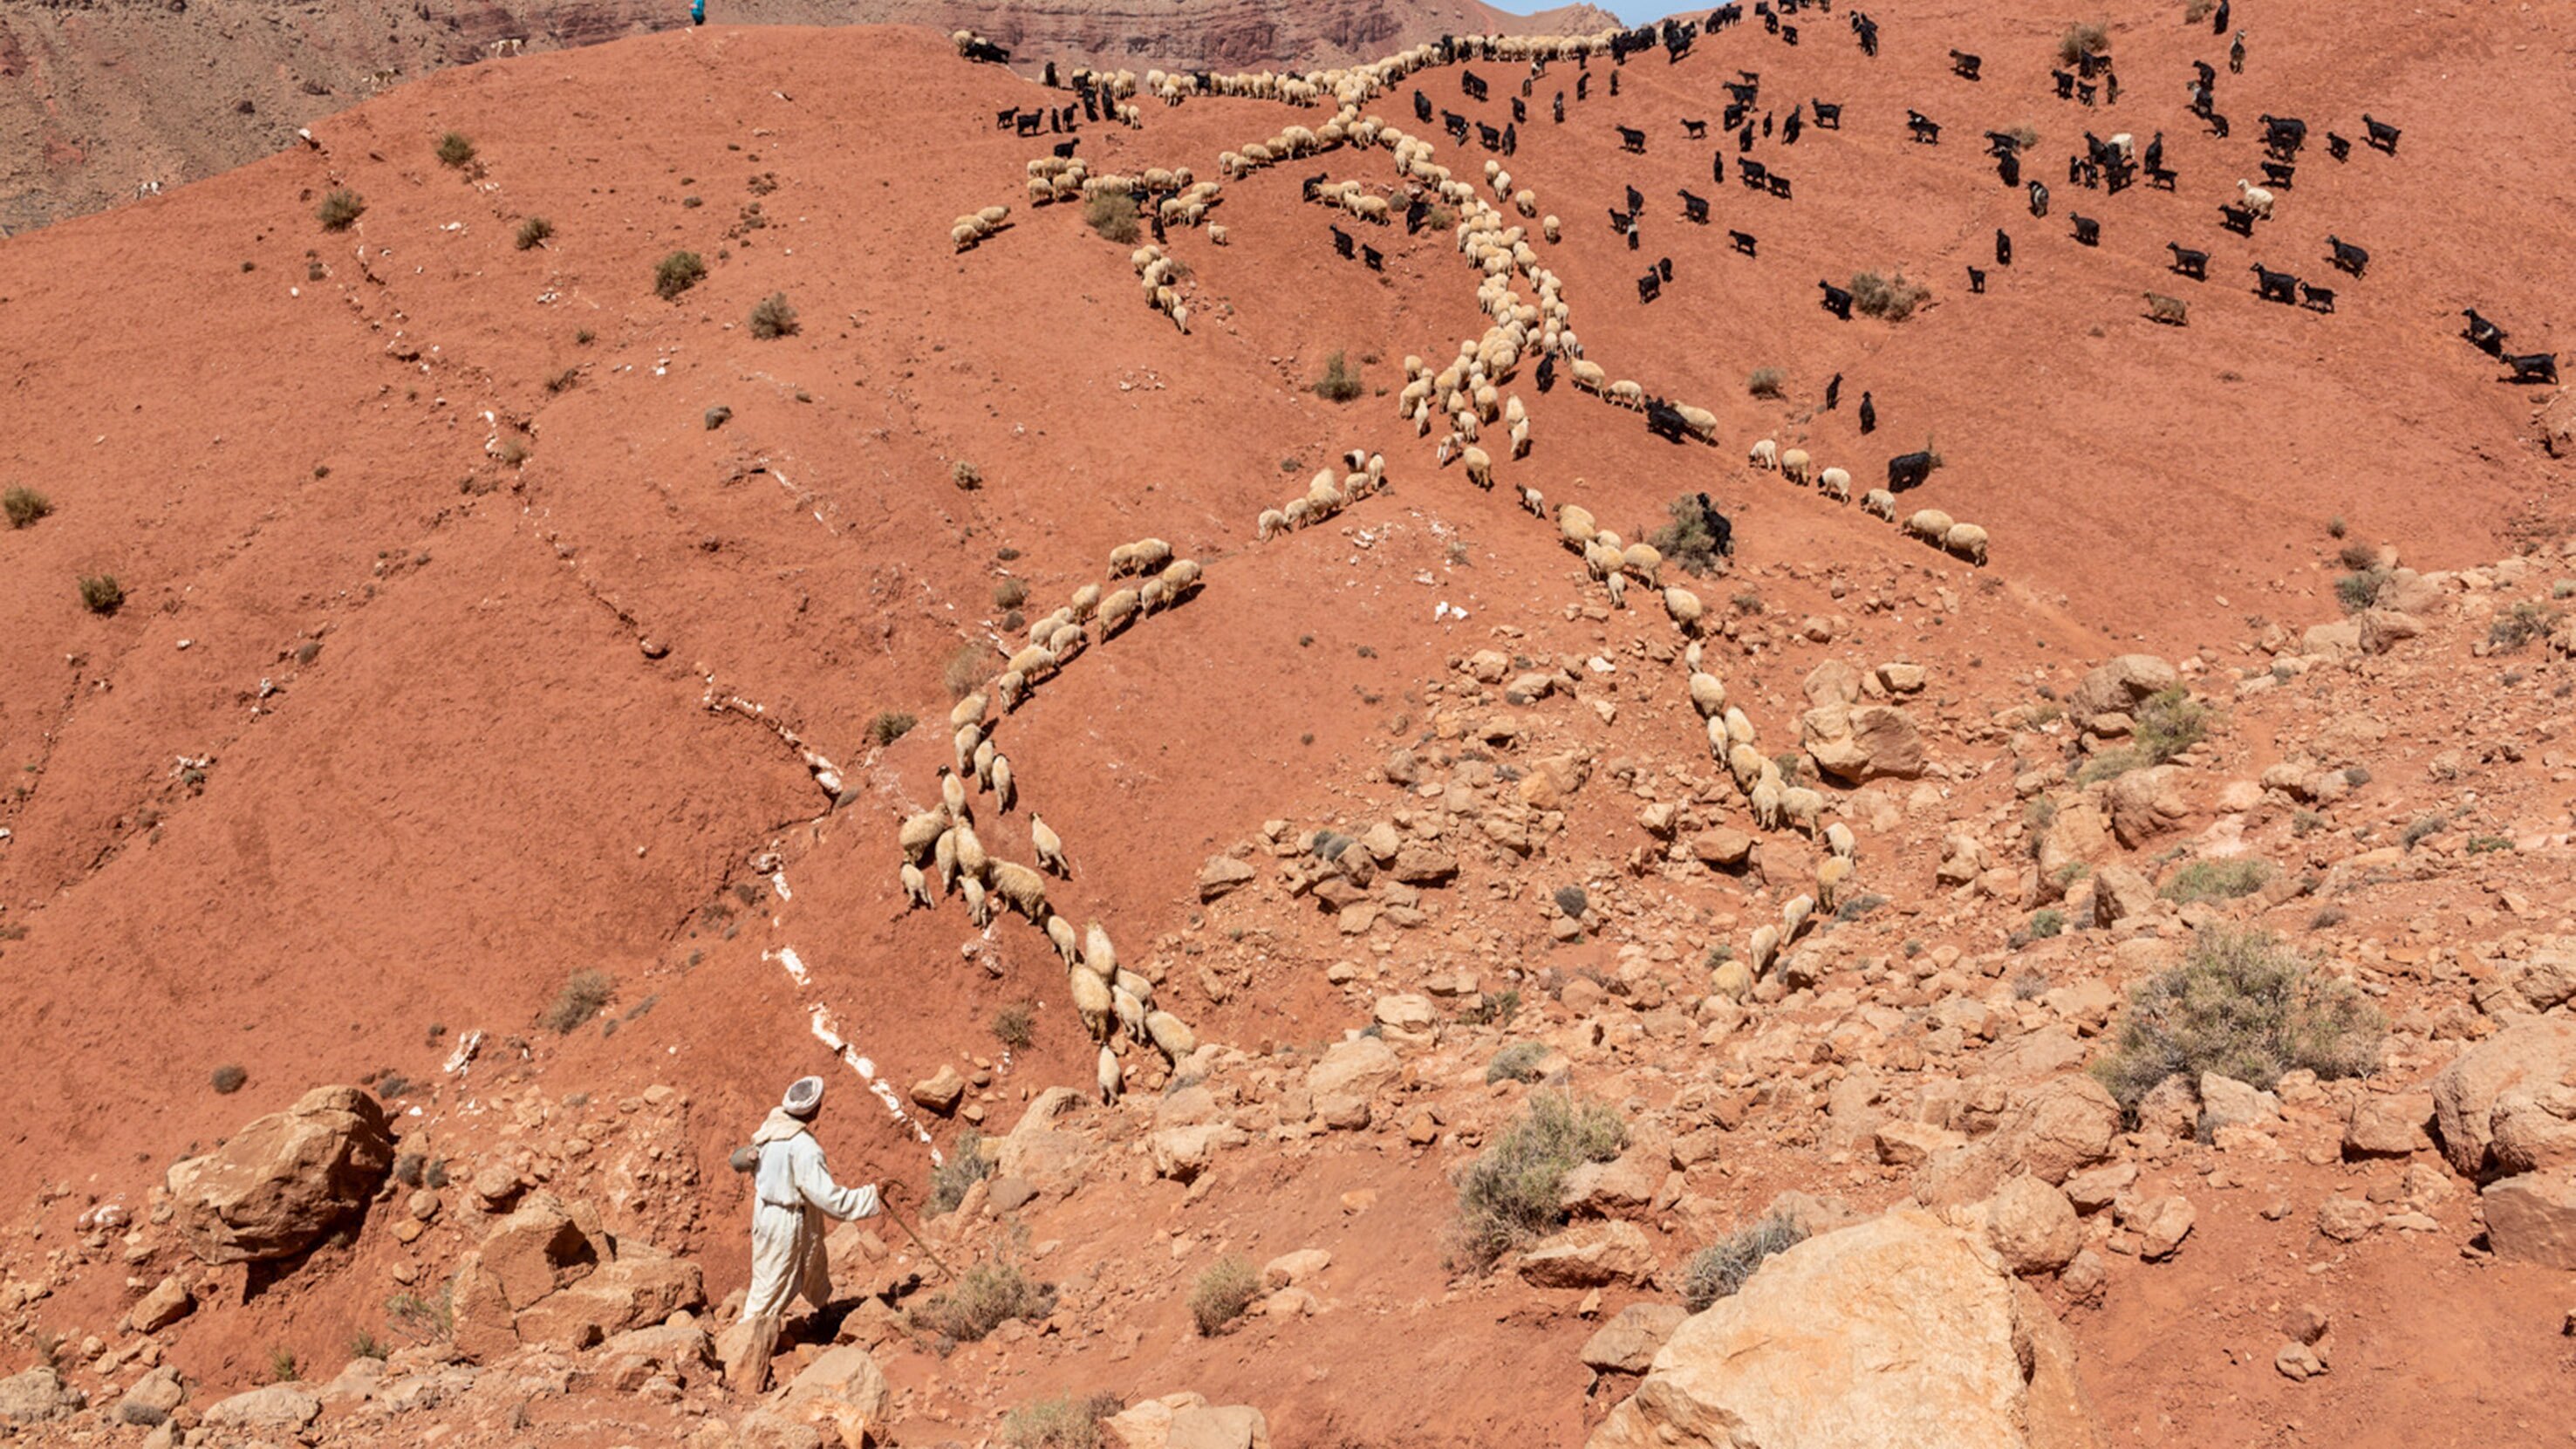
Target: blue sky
<point x="1635" y="12"/>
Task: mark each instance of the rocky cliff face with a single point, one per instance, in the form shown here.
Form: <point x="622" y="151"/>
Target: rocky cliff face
<point x="104" y="100"/>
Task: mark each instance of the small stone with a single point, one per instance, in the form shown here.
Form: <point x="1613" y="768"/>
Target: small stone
<point x="941" y="1091"/>
<point x="2346" y="1219"/>
<point x="2298" y="1362"/>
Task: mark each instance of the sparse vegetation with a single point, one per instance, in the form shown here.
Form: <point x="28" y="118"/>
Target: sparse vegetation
<point x="1509" y="1195"/>
<point x="1518" y="1062"/>
<point x="1440" y="217"/>
<point x="2428" y="825"/>
<point x="965" y="1167"/>
<point x="2082" y="39"/>
<point x="1892" y="299"/>
<point x="2025" y="135"/>
<point x="773" y="318"/>
<point x="1063" y="1422"/>
<point x="1113" y="216"/>
<point x="1222" y="1293"/>
<point x="228" y="1079"/>
<point x="422" y="1320"/>
<point x="1010" y="594"/>
<point x="2334" y="526"/>
<point x="363" y="1344"/>
<point x="889" y="726"/>
<point x="676" y="274"/>
<point x="2519" y="625"/>
<point x="101" y="593"/>
<point x="965" y="475"/>
<point x="24" y="506"/>
<point x="1686" y="540"/>
<point x="1766" y="382"/>
<point x="2244" y="1006"/>
<point x="2218" y="880"/>
<point x="454" y="151"/>
<point x="1014" y="1026"/>
<point x="1340" y="382"/>
<point x="1722" y="1268"/>
<point x="986" y="1296"/>
<point x="2047" y="924"/>
<point x="2328" y="916"/>
<point x="581" y="999"/>
<point x="2198" y="11"/>
<point x="2358" y="591"/>
<point x="1857" y="907"/>
<point x="972" y="664"/>
<point x="2029" y="984"/>
<point x="282" y="1366"/>
<point x="1497" y="1009"/>
<point x="534" y="233"/>
<point x="2164" y="726"/>
<point x="340" y="210"/>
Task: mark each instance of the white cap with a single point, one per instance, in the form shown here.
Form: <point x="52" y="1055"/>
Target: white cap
<point x="804" y="1097"/>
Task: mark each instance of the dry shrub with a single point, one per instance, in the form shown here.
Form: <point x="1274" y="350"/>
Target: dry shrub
<point x="1222" y="1294"/>
<point x="1722" y="1268"/>
<point x="2244" y="1006"/>
<point x="579" y="1001"/>
<point x="1510" y="1195"/>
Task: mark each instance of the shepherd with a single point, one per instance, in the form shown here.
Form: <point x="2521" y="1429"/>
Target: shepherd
<point x="697" y="12"/>
<point x="793" y="1194"/>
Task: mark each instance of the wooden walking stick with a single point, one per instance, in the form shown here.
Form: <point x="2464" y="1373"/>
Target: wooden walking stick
<point x="887" y="1208"/>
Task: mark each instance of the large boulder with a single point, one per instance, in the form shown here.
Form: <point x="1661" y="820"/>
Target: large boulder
<point x="2146" y="803"/>
<point x="1348" y="1079"/>
<point x="847" y="1375"/>
<point x="2065" y="1124"/>
<point x="275" y="1406"/>
<point x="1869" y="742"/>
<point x="2117" y="686"/>
<point x="1617" y="1252"/>
<point x="1628" y="1343"/>
<point x="2033" y="1226"/>
<point x="2532" y="1218"/>
<point x="1047" y="1158"/>
<point x="35" y="1397"/>
<point x="1899" y="1331"/>
<point x="2493" y="1106"/>
<point x="285" y="1180"/>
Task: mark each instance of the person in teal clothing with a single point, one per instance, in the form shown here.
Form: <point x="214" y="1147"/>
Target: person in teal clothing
<point x="697" y="12"/>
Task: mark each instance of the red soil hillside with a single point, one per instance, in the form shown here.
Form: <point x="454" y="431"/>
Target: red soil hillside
<point x="107" y="97"/>
<point x="459" y="653"/>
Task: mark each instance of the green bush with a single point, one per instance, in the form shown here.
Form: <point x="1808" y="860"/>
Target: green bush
<point x="986" y="1296"/>
<point x="2519" y="625"/>
<point x="677" y="273"/>
<point x="1509" y="1195"/>
<point x="2245" y="1006"/>
<point x="1765" y="382"/>
<point x="1340" y="382"/>
<point x="101" y="593"/>
<point x="2358" y="591"/>
<point x="24" y="506"/>
<point x="965" y="1167"/>
<point x="1222" y="1293"/>
<point x="282" y="1366"/>
<point x="1891" y="298"/>
<point x="773" y="317"/>
<point x="2169" y="723"/>
<point x="1723" y="1267"/>
<point x="1112" y="215"/>
<point x="455" y="151"/>
<point x="340" y="210"/>
<point x="1686" y="540"/>
<point x="534" y="232"/>
<point x="579" y="1001"/>
<point x="1517" y="1062"/>
<point x="2047" y="924"/>
<point x="2218" y="880"/>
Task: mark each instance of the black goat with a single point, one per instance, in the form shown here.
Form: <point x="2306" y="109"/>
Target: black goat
<point x="2284" y="134"/>
<point x="2348" y="257"/>
<point x="1754" y="175"/>
<point x="1649" y="287"/>
<point x="2160" y="177"/>
<point x="1631" y="139"/>
<point x="1064" y="149"/>
<point x="2038" y="199"/>
<point x="1342" y="243"/>
<point x="1926" y="130"/>
<point x="1421" y="106"/>
<point x="1619" y="219"/>
<point x="2192" y="264"/>
<point x="2338" y="147"/>
<point x="2279" y="174"/>
<point x="1976" y="281"/>
<point x="2383" y="136"/>
<point x="1717" y="168"/>
<point x="1695" y="130"/>
<point x="2088" y="232"/>
<point x="1779" y="185"/>
<point x="1492" y="138"/>
<point x="2533" y="366"/>
<point x="1636" y="202"/>
<point x="2003" y="247"/>
<point x="2065" y="84"/>
<point x="1964" y="65"/>
<point x="2319" y="298"/>
<point x="1547" y="372"/>
<point x="2084" y="92"/>
<point x="1028" y="122"/>
<point x="1908" y="470"/>
<point x="1829" y="114"/>
<point x="1560" y="108"/>
<point x="1837" y="301"/>
<point x="2483" y="334"/>
<point x="1742" y="241"/>
<point x="1788" y="35"/>
<point x="1520" y="110"/>
<point x="1695" y="208"/>
<point x="2274" y="286"/>
<point x="2002" y="143"/>
<point x="1789" y="129"/>
<point x="1662" y="418"/>
<point x="2237" y="219"/>
<point x="1471" y="84"/>
<point x="1307" y="188"/>
<point x="2008" y="169"/>
<point x="1741" y="93"/>
<point x="1003" y="120"/>
<point x="1416" y="213"/>
<point x="1664" y="268"/>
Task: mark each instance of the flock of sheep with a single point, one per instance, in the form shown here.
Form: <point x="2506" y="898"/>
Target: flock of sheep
<point x="1966" y="540"/>
<point x="942" y="839"/>
<point x="1323" y="498"/>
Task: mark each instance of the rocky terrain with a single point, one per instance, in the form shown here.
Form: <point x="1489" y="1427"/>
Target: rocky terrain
<point x="104" y="101"/>
<point x="2119" y="991"/>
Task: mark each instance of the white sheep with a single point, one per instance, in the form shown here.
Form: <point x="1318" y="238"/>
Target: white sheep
<point x="1116" y="611"/>
<point x="1968" y="541"/>
<point x="2256" y="199"/>
<point x="1171" y="1034"/>
<point x="1271" y="524"/>
<point x="1685" y="608"/>
<point x="1216" y="233"/>
<point x="1931" y="525"/>
<point x="978" y="909"/>
<point x="1023" y="889"/>
<point x="1008" y="686"/>
<point x="1805" y="809"/>
<point x="984" y="754"/>
<point x="1006" y="792"/>
<point x="1574" y="523"/>
<point x="1744" y="762"/>
<point x="952" y="793"/>
<point x="1739" y="726"/>
<point x="1098" y="956"/>
<point x="1836" y="484"/>
<point x="1839" y="839"/>
<point x="1766" y="805"/>
<point x="943" y="859"/>
<point x="1880" y="502"/>
<point x="1086" y="602"/>
<point x="1831" y="873"/>
<point x="1763" y="948"/>
<point x="1617" y="584"/>
<point x="967" y="738"/>
<point x="1048" y="846"/>
<point x="1108" y="1078"/>
<point x="1092" y="1000"/>
<point x="969" y="710"/>
<point x="1764" y="454"/>
<point x="1708" y="694"/>
<point x="1795" y="914"/>
<point x="972" y="862"/>
<point x="1060" y="932"/>
<point x="920" y="832"/>
<point x="1645" y="561"/>
<point x="1793" y="466"/>
<point x="1130" y="1010"/>
<point x="1480" y="467"/>
<point x="915" y="885"/>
